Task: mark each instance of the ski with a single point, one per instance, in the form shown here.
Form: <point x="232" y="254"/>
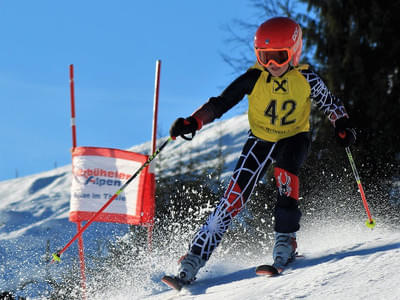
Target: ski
<point x="173" y="282"/>
<point x="268" y="270"/>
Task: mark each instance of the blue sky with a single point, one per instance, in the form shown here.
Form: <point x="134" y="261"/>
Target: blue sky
<point x="114" y="46"/>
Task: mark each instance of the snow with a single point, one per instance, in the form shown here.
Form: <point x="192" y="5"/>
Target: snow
<point x="346" y="262"/>
<point x="343" y="259"/>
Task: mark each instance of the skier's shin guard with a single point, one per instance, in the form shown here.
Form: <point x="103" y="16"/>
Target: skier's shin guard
<point x="287" y="212"/>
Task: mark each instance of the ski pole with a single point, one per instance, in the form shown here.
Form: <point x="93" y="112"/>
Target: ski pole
<point x="57" y="255"/>
<point x="370" y="223"/>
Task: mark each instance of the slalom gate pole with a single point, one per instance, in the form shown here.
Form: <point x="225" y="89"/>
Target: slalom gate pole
<point x="57" y="255"/>
<point x="152" y="174"/>
<point x="82" y="262"/>
<point x="370" y="223"/>
<point x="72" y="92"/>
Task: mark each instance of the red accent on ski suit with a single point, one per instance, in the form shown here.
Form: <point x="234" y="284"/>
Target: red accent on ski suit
<point x="287" y="183"/>
<point x="234" y="196"/>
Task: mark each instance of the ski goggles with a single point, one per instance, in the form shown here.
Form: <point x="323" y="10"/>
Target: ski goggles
<point x="278" y="57"/>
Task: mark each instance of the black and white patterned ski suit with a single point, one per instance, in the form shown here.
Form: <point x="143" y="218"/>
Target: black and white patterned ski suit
<point x="279" y="109"/>
<point x="256" y="157"/>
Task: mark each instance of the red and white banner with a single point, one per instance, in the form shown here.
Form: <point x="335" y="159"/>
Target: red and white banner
<point x="98" y="173"/>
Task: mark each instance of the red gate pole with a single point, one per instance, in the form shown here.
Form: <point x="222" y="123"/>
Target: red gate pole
<point x="73" y="127"/>
<point x="72" y="91"/>
<point x="155" y="105"/>
<point x="153" y="147"/>
<point x="82" y="262"/>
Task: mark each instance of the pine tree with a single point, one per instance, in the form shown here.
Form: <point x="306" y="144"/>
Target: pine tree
<point x="358" y="55"/>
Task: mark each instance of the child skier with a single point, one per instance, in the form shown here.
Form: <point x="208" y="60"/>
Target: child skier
<point x="279" y="93"/>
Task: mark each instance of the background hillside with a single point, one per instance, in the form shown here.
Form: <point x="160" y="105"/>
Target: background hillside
<point x="191" y="177"/>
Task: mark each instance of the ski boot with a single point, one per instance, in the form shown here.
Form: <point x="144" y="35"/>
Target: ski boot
<point x="284" y="252"/>
<point x="284" y="249"/>
<point x="190" y="264"/>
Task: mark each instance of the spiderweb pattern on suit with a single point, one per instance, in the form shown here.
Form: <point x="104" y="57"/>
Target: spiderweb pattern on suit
<point x="247" y="171"/>
<point x="324" y="99"/>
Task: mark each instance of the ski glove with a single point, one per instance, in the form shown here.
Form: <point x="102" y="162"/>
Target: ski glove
<point x="183" y="126"/>
<point x="344" y="132"/>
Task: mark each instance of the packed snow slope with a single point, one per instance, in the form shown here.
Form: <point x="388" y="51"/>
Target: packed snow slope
<point x="343" y="259"/>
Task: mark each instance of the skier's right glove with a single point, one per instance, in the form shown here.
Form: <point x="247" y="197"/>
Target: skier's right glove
<point x="183" y="126"/>
<point x="344" y="131"/>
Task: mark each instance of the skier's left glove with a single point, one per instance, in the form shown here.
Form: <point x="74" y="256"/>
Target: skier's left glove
<point x="344" y="132"/>
<point x="183" y="126"/>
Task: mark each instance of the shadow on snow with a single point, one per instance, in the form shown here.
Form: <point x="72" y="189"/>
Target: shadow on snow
<point x="201" y="286"/>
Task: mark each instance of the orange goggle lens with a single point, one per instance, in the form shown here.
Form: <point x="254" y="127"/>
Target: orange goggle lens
<point x="278" y="57"/>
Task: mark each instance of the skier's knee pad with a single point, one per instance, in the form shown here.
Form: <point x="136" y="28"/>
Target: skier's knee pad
<point x="288" y="187"/>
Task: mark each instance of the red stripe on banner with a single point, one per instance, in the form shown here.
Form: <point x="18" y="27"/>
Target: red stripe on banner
<point x="140" y="196"/>
<point x="148" y="196"/>
<point x="109" y="152"/>
<point x="79" y="216"/>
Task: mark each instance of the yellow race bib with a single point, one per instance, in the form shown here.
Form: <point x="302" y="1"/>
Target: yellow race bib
<point x="279" y="107"/>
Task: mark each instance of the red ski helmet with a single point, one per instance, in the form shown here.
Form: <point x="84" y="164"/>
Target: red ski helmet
<point x="278" y="41"/>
